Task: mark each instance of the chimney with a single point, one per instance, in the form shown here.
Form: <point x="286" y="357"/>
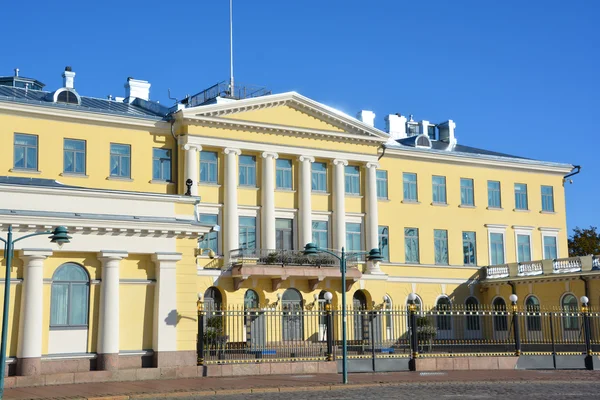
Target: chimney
<point x="68" y="78"/>
<point x="367" y="117"/>
<point x="395" y="125"/>
<point x="16" y="71"/>
<point x="135" y="88"/>
<point x="446" y="133"/>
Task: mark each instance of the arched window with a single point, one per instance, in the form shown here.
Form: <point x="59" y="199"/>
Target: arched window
<point x="70" y="296"/>
<point x="250" y="300"/>
<point x="359" y="300"/>
<point x="444" y="319"/>
<point x="213" y="300"/>
<point x="534" y="320"/>
<point x="500" y="315"/>
<point x="292" y="315"/>
<point x="570" y="307"/>
<point x="472" y="306"/>
<point x="389" y="322"/>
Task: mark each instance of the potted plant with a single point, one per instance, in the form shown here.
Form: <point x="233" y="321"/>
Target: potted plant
<point x="426" y="332"/>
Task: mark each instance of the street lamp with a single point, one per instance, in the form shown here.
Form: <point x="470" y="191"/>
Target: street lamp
<point x="60" y="236"/>
<point x="373" y="255"/>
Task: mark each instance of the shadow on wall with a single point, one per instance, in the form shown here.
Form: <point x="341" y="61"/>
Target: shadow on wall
<point x="174" y="317"/>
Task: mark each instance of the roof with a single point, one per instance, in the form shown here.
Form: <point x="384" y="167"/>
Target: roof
<point x="139" y="108"/>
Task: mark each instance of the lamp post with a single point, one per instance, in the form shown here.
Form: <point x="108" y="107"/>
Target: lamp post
<point x="414" y="339"/>
<point x="329" y="325"/>
<point x="517" y="333"/>
<point x="586" y="325"/>
<point x="60" y="236"/>
<point x="373" y="255"/>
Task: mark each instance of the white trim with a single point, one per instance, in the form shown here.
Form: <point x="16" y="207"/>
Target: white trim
<point x="555" y="236"/>
<point x="418" y="297"/>
<point x="523" y="228"/>
<point x="567" y="292"/>
<point x="553" y="230"/>
<point x="354" y="219"/>
<point x="496" y="229"/>
<point x="496" y="226"/>
<point x="523" y="232"/>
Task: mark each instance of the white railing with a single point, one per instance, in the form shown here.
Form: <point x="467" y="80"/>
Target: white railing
<point x="497" y="272"/>
<point x="596" y="262"/>
<point x="530" y="268"/>
<point x="571" y="264"/>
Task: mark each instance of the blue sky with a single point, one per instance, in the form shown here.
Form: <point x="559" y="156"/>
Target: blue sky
<point x="516" y="76"/>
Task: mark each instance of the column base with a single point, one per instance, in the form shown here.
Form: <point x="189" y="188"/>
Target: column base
<point x="165" y="359"/>
<point x="29" y="366"/>
<point x="107" y="362"/>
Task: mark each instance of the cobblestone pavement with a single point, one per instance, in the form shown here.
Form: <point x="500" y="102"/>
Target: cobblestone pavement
<point x="439" y="391"/>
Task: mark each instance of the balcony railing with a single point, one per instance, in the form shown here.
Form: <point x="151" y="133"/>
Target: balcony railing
<point x="497" y="272"/>
<point x="290" y="258"/>
<point x="531" y="268"/>
<point x="544" y="267"/>
<point x="562" y="265"/>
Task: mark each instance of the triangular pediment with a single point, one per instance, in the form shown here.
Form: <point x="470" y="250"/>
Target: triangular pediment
<point x="288" y="112"/>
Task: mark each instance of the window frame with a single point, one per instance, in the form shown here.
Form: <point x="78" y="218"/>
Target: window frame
<point x="352" y="179"/>
<point x="70" y="283"/>
<point x="545" y="196"/>
<point x="435" y="190"/>
<point x="522" y="233"/>
<point x="320" y="175"/>
<point x="320" y="231"/>
<point x="499" y="190"/>
<point x="161" y="160"/>
<point x="210" y="165"/>
<point x="502" y="232"/>
<point x="285" y="172"/>
<point x="519" y="197"/>
<point x="474" y="243"/>
<point x="418" y="261"/>
<point x="354" y="233"/>
<point x="75" y="152"/>
<point x="248" y="168"/>
<point x="382" y="182"/>
<point x="435" y="248"/>
<point x="120" y="156"/>
<point x="210" y="235"/>
<point x="281" y="231"/>
<point x="25" y="148"/>
<point x="468" y="190"/>
<point x="381" y="234"/>
<point x="554" y="236"/>
<point x="410" y="184"/>
<point x="245" y="229"/>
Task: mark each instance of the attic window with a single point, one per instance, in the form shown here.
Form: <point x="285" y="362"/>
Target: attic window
<point x="423" y="141"/>
<point x="68" y="97"/>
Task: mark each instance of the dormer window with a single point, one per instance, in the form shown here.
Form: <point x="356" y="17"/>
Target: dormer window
<point x="412" y="129"/>
<point x="423" y="141"/>
<point x="431" y="132"/>
<point x="66" y="96"/>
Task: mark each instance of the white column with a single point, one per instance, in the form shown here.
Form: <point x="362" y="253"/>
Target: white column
<point x="231" y="240"/>
<point x="164" y="338"/>
<point x="339" y="204"/>
<point x="29" y="350"/>
<point x="305" y="203"/>
<point x="192" y="168"/>
<point x="372" y="223"/>
<point x="268" y="200"/>
<point x="108" y="321"/>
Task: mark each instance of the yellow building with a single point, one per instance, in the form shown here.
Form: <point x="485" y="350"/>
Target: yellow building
<point x="254" y="179"/>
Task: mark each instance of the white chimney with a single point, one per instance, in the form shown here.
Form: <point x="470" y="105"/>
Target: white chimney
<point x="135" y="88"/>
<point x="446" y="133"/>
<point x="68" y="78"/>
<point x="395" y="125"/>
<point x="367" y="117"/>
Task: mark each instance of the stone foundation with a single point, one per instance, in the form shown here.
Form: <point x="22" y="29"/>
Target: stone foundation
<point x="29" y="366"/>
<point x="107" y="362"/>
<point x="463" y="363"/>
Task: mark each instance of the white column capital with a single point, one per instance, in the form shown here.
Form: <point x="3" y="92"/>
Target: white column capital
<point x="192" y="147"/>
<point x="372" y="164"/>
<point x="267" y="154"/>
<point x="35" y="254"/>
<point x="338" y="161"/>
<point x="169" y="257"/>
<point x="309" y="159"/>
<point x="112" y="255"/>
<point x="231" y="150"/>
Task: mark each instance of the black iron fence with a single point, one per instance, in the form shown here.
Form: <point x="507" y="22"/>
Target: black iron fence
<point x="291" y="332"/>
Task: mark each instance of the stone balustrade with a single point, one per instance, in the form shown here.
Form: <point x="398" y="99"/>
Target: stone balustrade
<point x="530" y="268"/>
<point x="543" y="267"/>
<point x="571" y="264"/>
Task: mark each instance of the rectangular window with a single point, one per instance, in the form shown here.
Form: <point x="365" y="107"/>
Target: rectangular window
<point x="284" y="237"/>
<point x="523" y="248"/>
<point x="353" y="237"/>
<point x="494" y="199"/>
<point x="431" y="132"/>
<point x="161" y="164"/>
<point x="352" y="177"/>
<point x="382" y="184"/>
<point x="74" y="156"/>
<point x="208" y="166"/>
<point x="210" y="240"/>
<point x="439" y="189"/>
<point x="548" y="198"/>
<point x="247" y="232"/>
<point x="466" y="192"/>
<point x="496" y="248"/>
<point x="319" y="177"/>
<point x="26" y="152"/>
<point x="440" y="244"/>
<point x="247" y="170"/>
<point x="120" y="160"/>
<point x="410" y="186"/>
<point x="521" y="196"/>
<point x="320" y="235"/>
<point x="384" y="242"/>
<point x="469" y="249"/>
<point x="411" y="245"/>
<point x="283" y="174"/>
<point x="550" y="252"/>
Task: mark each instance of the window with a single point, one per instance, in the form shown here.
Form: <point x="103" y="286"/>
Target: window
<point x="439" y="189"/>
<point x="496" y="248"/>
<point x="550" y="252"/>
<point x="570" y="308"/>
<point x="283" y="174"/>
<point x="353" y="236"/>
<point x="320" y="236"/>
<point x="74" y="156"/>
<point x="26" y="152"/>
<point x="247" y="170"/>
<point x="473" y="322"/>
<point x="208" y="166"/>
<point x="440" y="244"/>
<point x="248" y="232"/>
<point x="523" y="248"/>
<point x="443" y="320"/>
<point x="548" y="198"/>
<point x="352" y="178"/>
<point x="412" y="129"/>
<point x="411" y="245"/>
<point x="521" y="196"/>
<point x="284" y="238"/>
<point x="250" y="301"/>
<point x="431" y="132"/>
<point x="500" y="315"/>
<point x="319" y="177"/>
<point x="532" y="307"/>
<point x="210" y="240"/>
<point x="494" y="199"/>
<point x="410" y="186"/>
<point x="382" y="184"/>
<point x="161" y="164"/>
<point x="469" y="249"/>
<point x="120" y="160"/>
<point x="384" y="240"/>
<point x="70" y="294"/>
<point x="466" y="192"/>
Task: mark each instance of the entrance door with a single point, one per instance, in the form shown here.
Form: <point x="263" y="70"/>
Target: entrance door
<point x="292" y="315"/>
<point x="361" y="322"/>
<point x="254" y="321"/>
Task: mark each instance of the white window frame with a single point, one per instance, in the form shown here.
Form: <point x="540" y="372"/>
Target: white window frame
<point x="550" y="232"/>
<point x="356" y="219"/>
<point x="323" y="218"/>
<point x="212" y="210"/>
<point x="289" y="214"/>
<point x="252" y="212"/>
<point x="524" y="231"/>
<point x="496" y="229"/>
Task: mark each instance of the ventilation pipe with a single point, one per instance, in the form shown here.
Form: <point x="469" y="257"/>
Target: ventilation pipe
<point x="367" y="117"/>
<point x="136" y="89"/>
<point x="68" y="78"/>
<point x="395" y="125"/>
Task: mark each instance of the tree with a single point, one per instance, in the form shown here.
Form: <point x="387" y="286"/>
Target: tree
<point x="584" y="242"/>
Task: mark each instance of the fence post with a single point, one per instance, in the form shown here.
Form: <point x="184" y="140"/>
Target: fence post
<point x="200" y="341"/>
<point x="516" y="331"/>
<point x="414" y="339"/>
<point x="329" y="328"/>
<point x="372" y="335"/>
<point x="551" y="314"/>
<point x="586" y="328"/>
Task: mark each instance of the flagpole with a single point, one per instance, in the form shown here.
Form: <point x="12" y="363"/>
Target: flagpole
<point x="231" y="84"/>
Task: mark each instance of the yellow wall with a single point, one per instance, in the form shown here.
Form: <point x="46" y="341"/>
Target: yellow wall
<point x="187" y="295"/>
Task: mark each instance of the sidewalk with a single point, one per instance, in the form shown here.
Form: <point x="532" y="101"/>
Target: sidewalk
<point x="282" y="383"/>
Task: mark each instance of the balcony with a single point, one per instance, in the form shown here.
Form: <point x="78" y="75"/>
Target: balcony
<point x="571" y="265"/>
<point x="281" y="265"/>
